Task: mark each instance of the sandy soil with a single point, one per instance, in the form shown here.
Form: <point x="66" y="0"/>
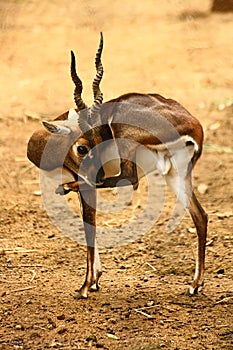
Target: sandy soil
<point x="174" y="48"/>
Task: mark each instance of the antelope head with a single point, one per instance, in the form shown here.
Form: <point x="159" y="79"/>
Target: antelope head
<point x="83" y="145"/>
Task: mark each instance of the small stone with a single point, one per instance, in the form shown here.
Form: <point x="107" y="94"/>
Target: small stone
<point x="37" y="193"/>
<point x="194" y="336"/>
<point x="61" y="317"/>
<point x="62" y="329"/>
<point x="221" y="106"/>
<point x="202" y="188"/>
<point x="35" y="335"/>
<point x="51" y="324"/>
<point x="20" y="327"/>
<point x="112" y="320"/>
<point x="91" y="339"/>
<point x="202" y="105"/>
<point x="70" y="319"/>
<point x="56" y="345"/>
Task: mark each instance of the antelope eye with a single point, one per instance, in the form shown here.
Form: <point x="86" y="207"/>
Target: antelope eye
<point x="82" y="150"/>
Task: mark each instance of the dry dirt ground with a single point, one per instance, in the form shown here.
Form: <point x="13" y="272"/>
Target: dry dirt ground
<point x="175" y="48"/>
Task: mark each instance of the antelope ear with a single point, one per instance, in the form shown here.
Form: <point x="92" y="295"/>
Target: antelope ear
<point x="56" y="129"/>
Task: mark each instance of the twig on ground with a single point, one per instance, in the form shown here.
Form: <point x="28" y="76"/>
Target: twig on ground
<point x="21" y="289"/>
<point x="33" y="275"/>
<point x="151" y="266"/>
<point x="21" y="159"/>
<point x="224" y="300"/>
<point x="18" y="250"/>
<point x="143" y="313"/>
<point x="17" y="266"/>
<point x="5" y="281"/>
<point x="148" y="307"/>
<point x="216" y="148"/>
<point x="24" y="170"/>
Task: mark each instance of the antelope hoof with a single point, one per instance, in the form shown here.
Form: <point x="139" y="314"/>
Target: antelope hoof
<point x="94" y="288"/>
<point x="193" y="290"/>
<point x="79" y="295"/>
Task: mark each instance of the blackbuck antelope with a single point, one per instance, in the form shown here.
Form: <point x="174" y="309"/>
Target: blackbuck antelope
<point x="124" y="138"/>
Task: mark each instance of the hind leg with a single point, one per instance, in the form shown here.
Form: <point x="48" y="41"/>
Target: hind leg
<point x="182" y="188"/>
<point x="200" y="221"/>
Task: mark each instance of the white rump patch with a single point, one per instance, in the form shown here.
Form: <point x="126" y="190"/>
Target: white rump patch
<point x="147" y="161"/>
<point x="176" y="144"/>
<point x="175" y="156"/>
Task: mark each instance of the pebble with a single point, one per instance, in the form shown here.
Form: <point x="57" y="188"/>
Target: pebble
<point x="202" y="188"/>
<point x="61" y="317"/>
<point x="62" y="329"/>
<point x="56" y="345"/>
<point x="37" y="193"/>
<point x="91" y="338"/>
<point x="112" y="320"/>
<point x="19" y="326"/>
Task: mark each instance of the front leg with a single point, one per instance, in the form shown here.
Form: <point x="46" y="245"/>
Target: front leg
<point x="93" y="271"/>
<point x="74" y="186"/>
<point x="97" y="270"/>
